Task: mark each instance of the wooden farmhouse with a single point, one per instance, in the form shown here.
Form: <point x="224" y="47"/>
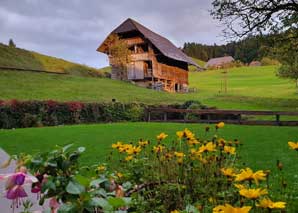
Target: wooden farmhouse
<point x="155" y="61"/>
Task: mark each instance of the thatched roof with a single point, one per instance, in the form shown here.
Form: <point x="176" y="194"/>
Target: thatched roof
<point x="214" y="62"/>
<point x="166" y="47"/>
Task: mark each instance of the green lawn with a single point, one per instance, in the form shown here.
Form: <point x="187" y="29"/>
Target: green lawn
<point x="248" y="88"/>
<point x="263" y="145"/>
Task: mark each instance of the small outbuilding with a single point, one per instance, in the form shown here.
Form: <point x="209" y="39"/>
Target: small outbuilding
<point x="217" y="63"/>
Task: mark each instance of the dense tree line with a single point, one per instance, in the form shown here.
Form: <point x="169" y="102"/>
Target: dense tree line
<point x="246" y="50"/>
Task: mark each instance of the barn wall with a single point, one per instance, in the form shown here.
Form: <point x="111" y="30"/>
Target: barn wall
<point x="171" y="74"/>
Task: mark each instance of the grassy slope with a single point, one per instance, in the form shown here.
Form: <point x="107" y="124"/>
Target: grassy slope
<point x="263" y="145"/>
<point x="248" y="88"/>
<point x="199" y="62"/>
<point x="20" y="58"/>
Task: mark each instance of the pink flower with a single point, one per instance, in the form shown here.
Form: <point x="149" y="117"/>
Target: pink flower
<point x="14" y="185"/>
<point x="54" y="205"/>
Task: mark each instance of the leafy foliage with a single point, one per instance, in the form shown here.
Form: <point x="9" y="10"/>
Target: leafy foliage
<point x="242" y="17"/>
<point x="120" y="54"/>
<point x="74" y="188"/>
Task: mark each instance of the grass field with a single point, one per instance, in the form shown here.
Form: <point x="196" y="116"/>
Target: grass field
<point x="21" y="58"/>
<point x="262" y="145"/>
<point x="248" y="88"/>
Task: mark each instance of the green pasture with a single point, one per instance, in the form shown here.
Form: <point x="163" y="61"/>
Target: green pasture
<point x="248" y="88"/>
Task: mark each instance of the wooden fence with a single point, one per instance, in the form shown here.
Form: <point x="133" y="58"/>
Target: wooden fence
<point x="32" y="70"/>
<point x="211" y="113"/>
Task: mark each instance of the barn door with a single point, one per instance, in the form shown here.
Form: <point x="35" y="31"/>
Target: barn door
<point x="139" y="70"/>
<point x="135" y="70"/>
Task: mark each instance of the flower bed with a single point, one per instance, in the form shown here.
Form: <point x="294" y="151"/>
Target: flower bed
<point x="189" y="174"/>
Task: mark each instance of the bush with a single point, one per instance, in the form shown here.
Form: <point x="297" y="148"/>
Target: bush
<point x="266" y="61"/>
<point x="17" y="114"/>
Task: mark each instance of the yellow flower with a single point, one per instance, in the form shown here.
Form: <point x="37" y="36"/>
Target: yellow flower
<point x="161" y="136"/>
<point x="188" y="134"/>
<point x="240" y="186"/>
<point x="229" y="172"/>
<point x="168" y="155"/>
<point x="158" y="148"/>
<point x="210" y="147"/>
<point x="179" y="154"/>
<point x="129" y="158"/>
<point x="230" y="209"/>
<point x="253" y="193"/>
<point x="143" y="143"/>
<point x="259" y="175"/>
<point x="267" y="203"/>
<point x="101" y="168"/>
<point x="175" y="211"/>
<point x="180" y="161"/>
<point x="133" y="150"/>
<point x="117" y="145"/>
<point x="248" y="174"/>
<point x="180" y="134"/>
<point x="212" y="200"/>
<point x="119" y="174"/>
<point x="192" y="142"/>
<point x="220" y="125"/>
<point x="125" y="147"/>
<point x="229" y="150"/>
<point x="293" y="145"/>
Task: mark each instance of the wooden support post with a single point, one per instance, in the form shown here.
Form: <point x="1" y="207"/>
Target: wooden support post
<point x="149" y="115"/>
<point x="165" y="116"/>
<point x="277" y="119"/>
<point x="239" y="118"/>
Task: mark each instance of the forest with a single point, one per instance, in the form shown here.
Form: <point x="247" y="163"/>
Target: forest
<point x="245" y="50"/>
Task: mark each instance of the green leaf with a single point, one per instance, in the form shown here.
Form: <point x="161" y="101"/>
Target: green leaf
<point x="82" y="180"/>
<point x="99" y="192"/>
<point x="99" y="202"/>
<point x="81" y="149"/>
<point x="75" y="188"/>
<point x="127" y="200"/>
<point x="65" y="208"/>
<point x="65" y="148"/>
<point x="48" y="185"/>
<point x="191" y="209"/>
<point x="127" y="185"/>
<point x="116" y="202"/>
<point x="98" y="181"/>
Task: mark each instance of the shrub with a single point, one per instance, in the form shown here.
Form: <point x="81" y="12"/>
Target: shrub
<point x="17" y="114"/>
<point x="266" y="61"/>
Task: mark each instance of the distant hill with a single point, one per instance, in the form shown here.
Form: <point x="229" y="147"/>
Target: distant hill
<point x="21" y="58"/>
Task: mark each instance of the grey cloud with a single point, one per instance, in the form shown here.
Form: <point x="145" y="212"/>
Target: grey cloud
<point x="73" y="29"/>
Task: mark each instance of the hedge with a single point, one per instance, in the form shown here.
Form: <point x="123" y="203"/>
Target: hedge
<point x="22" y="114"/>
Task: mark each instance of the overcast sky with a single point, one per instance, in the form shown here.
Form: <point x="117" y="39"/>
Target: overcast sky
<point x="73" y="29"/>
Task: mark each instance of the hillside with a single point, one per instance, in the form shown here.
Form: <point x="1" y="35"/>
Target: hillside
<point x="201" y="63"/>
<point x="21" y="58"/>
<point x="248" y="88"/>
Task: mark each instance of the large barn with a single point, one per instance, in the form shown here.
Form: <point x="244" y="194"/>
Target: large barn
<point x="155" y="61"/>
